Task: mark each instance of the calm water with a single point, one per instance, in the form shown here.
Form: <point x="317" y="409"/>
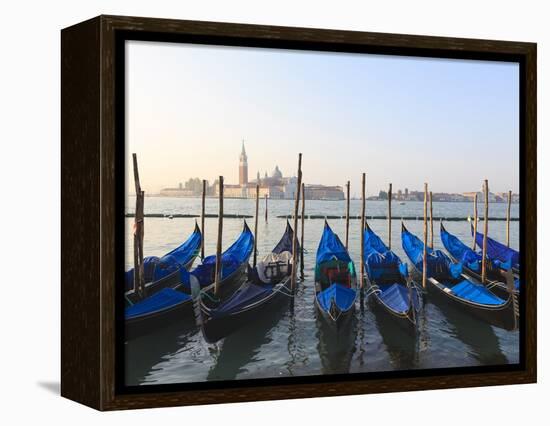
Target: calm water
<point x="293" y="343"/>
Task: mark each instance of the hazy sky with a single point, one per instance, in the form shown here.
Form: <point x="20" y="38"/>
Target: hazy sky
<point x="403" y="120"/>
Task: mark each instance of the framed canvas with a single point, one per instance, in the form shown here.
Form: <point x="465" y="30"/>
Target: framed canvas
<point x="257" y="212"/>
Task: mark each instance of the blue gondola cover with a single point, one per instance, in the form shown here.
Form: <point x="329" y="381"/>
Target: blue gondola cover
<point x="475" y="293"/>
<point x="164" y="299"/>
<point x="232" y="258"/>
<point x="460" y="251"/>
<point x="396" y="296"/>
<point x="285" y="244"/>
<point x="156" y="268"/>
<point x="505" y="256"/>
<point x="440" y="266"/>
<point x="330" y="247"/>
<point x="245" y="296"/>
<point x="342" y="295"/>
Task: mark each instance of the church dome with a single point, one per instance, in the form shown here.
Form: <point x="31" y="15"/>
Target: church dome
<point x="277" y="173"/>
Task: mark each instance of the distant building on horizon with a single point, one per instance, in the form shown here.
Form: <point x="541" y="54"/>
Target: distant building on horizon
<point x="275" y="186"/>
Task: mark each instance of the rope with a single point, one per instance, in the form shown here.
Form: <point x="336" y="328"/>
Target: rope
<point x="283" y="291"/>
<point x="212" y="299"/>
<point x="372" y="290"/>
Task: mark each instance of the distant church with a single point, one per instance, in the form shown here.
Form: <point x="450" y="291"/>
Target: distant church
<point x="243" y="168"/>
<point x="275" y="186"/>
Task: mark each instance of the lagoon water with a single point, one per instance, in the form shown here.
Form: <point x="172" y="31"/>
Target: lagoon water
<point x="286" y="342"/>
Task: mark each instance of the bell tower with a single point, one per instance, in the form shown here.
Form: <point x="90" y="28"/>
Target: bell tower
<point x="243" y="167"/>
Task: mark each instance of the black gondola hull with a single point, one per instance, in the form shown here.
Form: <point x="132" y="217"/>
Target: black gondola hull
<point x="146" y="324"/>
<point x="406" y="321"/>
<point x="217" y="328"/>
<point x="338" y="320"/>
<point x="501" y="316"/>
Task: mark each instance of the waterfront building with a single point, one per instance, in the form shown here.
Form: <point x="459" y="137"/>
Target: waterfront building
<point x="275" y="186"/>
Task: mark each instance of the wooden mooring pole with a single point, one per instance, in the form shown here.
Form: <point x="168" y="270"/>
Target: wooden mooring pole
<point x="219" y="242"/>
<point x="302" y="230"/>
<point x="265" y="196"/>
<point x="431" y="222"/>
<point x="362" y="235"/>
<point x="389" y="216"/>
<point x="202" y="216"/>
<point x="347" y="214"/>
<point x="425" y="253"/>
<point x="485" y="232"/>
<point x="256" y="225"/>
<point x="139" y="277"/>
<point x="295" y="234"/>
<point x="508" y="219"/>
<point x="475" y="222"/>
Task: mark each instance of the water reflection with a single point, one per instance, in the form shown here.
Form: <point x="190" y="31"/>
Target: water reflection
<point x="336" y="347"/>
<point x="143" y="353"/>
<point x="480" y="338"/>
<point x="401" y="345"/>
<point x="241" y="349"/>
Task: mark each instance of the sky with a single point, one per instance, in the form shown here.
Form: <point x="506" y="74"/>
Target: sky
<point x="404" y="120"/>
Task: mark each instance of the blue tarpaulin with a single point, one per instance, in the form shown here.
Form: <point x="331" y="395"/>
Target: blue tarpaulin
<point x="344" y="297"/>
<point x="166" y="298"/>
<point x="285" y="244"/>
<point x="245" y="296"/>
<point x="156" y="268"/>
<point x="460" y="251"/>
<point x="331" y="248"/>
<point x="237" y="254"/>
<point x="506" y="256"/>
<point x="439" y="264"/>
<point x="254" y="290"/>
<point x="396" y="297"/>
<point x="475" y="293"/>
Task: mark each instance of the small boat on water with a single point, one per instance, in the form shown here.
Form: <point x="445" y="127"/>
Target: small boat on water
<point x="503" y="256"/>
<point x="471" y="262"/>
<point x="335" y="280"/>
<point x="162" y="272"/>
<point x="446" y="283"/>
<point x="267" y="284"/>
<point x="390" y="288"/>
<point x="176" y="302"/>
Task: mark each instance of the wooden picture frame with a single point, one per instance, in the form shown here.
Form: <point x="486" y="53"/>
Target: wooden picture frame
<point x="92" y="89"/>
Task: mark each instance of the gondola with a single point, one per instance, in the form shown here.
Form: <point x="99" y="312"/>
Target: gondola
<point x="267" y="284"/>
<point x="162" y="272"/>
<point x="503" y="256"/>
<point x="390" y="289"/>
<point x="446" y="283"/>
<point x="471" y="262"/>
<point x="175" y="302"/>
<point x="335" y="280"/>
